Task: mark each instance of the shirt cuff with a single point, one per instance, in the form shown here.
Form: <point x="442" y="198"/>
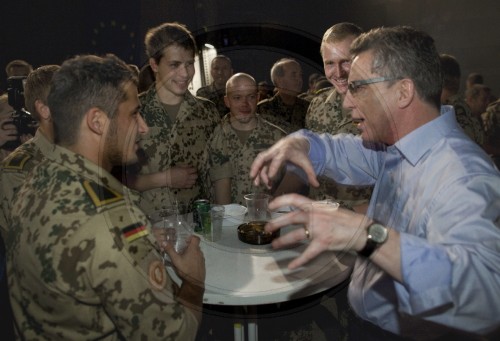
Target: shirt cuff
<point x="427" y="274"/>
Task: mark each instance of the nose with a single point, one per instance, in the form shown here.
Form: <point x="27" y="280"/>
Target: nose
<point x="142" y="126"/>
<point x="337" y="71"/>
<point x="348" y="102"/>
<point x="184" y="70"/>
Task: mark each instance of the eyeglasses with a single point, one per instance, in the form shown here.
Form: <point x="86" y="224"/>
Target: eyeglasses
<point x="355" y="85"/>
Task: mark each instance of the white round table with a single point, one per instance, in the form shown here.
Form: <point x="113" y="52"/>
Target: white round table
<point x="242" y="274"/>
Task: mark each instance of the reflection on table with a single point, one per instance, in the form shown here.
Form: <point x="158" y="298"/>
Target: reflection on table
<point x="244" y="274"/>
<point x="240" y="274"/>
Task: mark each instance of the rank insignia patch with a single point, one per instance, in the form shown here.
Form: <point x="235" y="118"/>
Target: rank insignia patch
<point x="17" y="162"/>
<point x="101" y="195"/>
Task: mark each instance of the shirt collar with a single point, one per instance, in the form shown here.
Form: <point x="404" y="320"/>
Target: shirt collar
<point x="416" y="144"/>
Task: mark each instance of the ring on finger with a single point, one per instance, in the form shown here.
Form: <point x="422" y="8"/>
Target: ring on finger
<point x="308" y="234"/>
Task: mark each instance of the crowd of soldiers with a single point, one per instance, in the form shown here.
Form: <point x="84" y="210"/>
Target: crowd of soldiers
<point x="87" y="265"/>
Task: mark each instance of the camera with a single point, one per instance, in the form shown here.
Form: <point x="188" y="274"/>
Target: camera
<point x="21" y="119"/>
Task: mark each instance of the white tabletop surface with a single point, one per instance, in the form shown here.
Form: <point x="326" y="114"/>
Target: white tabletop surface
<point x="242" y="274"/>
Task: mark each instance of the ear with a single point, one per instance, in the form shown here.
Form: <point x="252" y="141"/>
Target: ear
<point x="96" y="120"/>
<point x="42" y="109"/>
<point x="153" y="64"/>
<point x="406" y="92"/>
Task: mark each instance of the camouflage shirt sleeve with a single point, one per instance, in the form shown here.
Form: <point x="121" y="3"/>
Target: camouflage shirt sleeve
<point x="130" y="278"/>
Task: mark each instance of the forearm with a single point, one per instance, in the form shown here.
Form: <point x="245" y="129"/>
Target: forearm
<point x="222" y="189"/>
<point x="191" y="296"/>
<point x="145" y="182"/>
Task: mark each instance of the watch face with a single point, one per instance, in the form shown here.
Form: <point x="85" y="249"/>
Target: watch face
<point x="378" y="233"/>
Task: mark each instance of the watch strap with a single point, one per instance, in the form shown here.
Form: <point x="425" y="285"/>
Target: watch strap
<point x="371" y="244"/>
<point x="368" y="249"/>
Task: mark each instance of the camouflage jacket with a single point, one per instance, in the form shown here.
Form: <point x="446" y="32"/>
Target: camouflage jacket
<point x="326" y="115"/>
<point x="81" y="260"/>
<point x="469" y="123"/>
<point x="229" y="157"/>
<point x="216" y="96"/>
<point x="15" y="167"/>
<point x="288" y="118"/>
<point x="491" y="123"/>
<point x="179" y="143"/>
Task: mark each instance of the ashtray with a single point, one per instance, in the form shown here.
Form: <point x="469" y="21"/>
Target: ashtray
<point x="254" y="233"/>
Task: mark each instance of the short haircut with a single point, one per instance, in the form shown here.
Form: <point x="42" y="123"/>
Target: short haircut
<point x="451" y="72"/>
<point x="404" y="52"/>
<point x="221" y="56"/>
<point x="341" y="31"/>
<point x="230" y="81"/>
<point x="37" y="87"/>
<point x="278" y="68"/>
<point x="160" y="37"/>
<point x="82" y="83"/>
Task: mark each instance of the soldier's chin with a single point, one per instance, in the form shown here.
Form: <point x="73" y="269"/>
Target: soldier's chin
<point x="341" y="87"/>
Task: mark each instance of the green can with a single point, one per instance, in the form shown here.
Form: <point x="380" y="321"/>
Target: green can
<point x="201" y="206"/>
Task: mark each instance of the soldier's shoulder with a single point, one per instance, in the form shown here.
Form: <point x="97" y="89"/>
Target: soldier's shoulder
<point x="271" y="127"/>
<point x="203" y="91"/>
<point x="100" y="195"/>
<point x="265" y="102"/>
<point x="327" y="91"/>
<point x="22" y="158"/>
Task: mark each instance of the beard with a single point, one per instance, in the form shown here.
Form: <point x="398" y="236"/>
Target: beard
<point x="114" y="151"/>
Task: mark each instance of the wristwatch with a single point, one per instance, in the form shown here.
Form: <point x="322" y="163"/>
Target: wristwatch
<point x="377" y="235"/>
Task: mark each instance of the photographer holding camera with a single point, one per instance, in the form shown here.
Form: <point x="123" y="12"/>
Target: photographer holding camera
<point x="21" y="119"/>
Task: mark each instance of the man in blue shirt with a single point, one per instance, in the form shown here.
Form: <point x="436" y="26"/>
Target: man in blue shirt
<point x="429" y="244"/>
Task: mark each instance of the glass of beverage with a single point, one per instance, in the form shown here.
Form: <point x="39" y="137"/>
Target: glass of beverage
<point x="212" y="222"/>
<point x="257" y="205"/>
<point x="173" y="229"/>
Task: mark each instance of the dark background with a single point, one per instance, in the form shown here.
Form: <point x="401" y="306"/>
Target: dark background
<point x="252" y="33"/>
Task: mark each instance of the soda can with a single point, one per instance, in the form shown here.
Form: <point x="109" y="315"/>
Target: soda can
<point x="200" y="205"/>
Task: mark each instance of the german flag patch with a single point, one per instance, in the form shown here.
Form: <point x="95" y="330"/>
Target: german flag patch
<point x="134" y="231"/>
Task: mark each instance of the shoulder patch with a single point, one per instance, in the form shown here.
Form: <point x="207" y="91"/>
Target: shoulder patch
<point x="157" y="275"/>
<point x="101" y="195"/>
<point x="17" y="161"/>
<point x="134" y="231"/>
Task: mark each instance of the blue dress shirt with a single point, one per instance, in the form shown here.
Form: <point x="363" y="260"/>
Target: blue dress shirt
<point x="442" y="193"/>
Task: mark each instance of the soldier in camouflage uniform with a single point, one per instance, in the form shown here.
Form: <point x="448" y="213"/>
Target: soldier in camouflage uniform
<point x="82" y="263"/>
<point x="180" y="124"/>
<point x="285" y="109"/>
<point x="220" y="69"/>
<point x="19" y="163"/>
<point x="326" y="114"/>
<point x="491" y="123"/>
<point x="450" y="96"/>
<point x="467" y="121"/>
<point x="237" y="140"/>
